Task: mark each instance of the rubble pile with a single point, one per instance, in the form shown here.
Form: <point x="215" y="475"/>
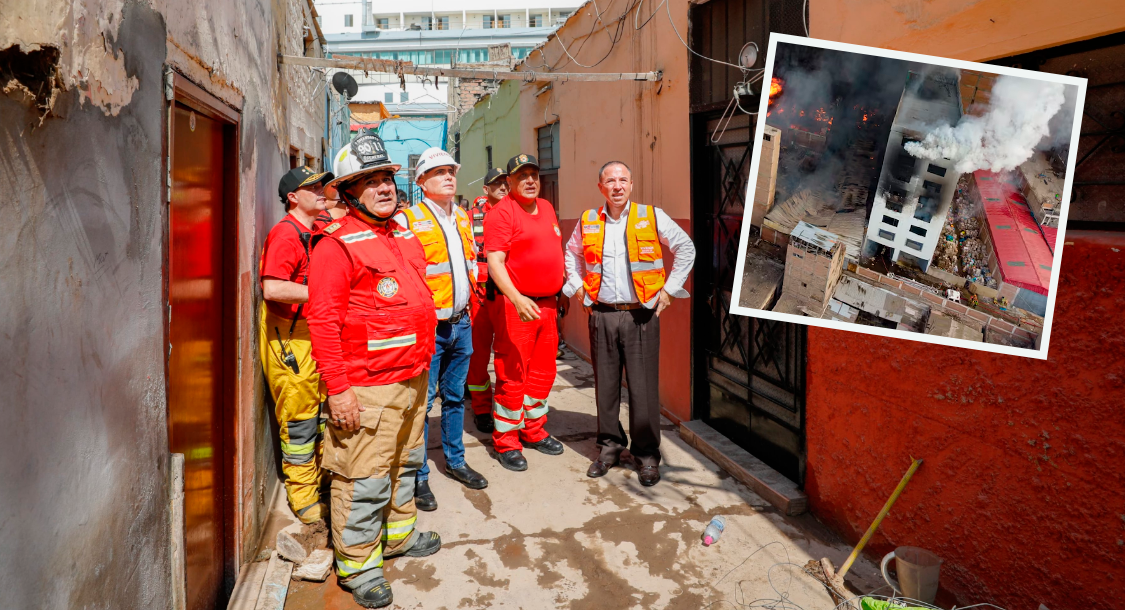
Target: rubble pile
<point x="960" y="250"/>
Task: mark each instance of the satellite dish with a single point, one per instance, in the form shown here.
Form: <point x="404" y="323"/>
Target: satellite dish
<point x="345" y="85"/>
<point x="748" y="56"/>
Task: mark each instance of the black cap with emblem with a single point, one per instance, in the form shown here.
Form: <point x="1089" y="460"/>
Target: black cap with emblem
<point x="519" y="161"/>
<point x="298" y="177"/>
<point x="494" y="174"/>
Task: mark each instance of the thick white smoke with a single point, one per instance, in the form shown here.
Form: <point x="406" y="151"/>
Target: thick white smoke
<point x="1006" y="136"/>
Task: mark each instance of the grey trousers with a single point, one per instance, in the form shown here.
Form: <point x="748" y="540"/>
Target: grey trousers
<point x="629" y="341"/>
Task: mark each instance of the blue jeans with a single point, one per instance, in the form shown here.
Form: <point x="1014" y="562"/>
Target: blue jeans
<point x="448" y="371"/>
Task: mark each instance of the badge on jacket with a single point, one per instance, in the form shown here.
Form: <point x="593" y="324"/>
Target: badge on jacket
<point x="423" y="225"/>
<point x="387" y="287"/>
<point x="557" y="231"/>
<point x="641" y="225"/>
<point x="591" y="228"/>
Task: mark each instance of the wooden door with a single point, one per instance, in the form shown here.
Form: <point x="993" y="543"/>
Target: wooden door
<point x="195" y="350"/>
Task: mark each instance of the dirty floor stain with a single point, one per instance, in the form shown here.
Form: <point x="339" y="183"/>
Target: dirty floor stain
<point x="552" y="538"/>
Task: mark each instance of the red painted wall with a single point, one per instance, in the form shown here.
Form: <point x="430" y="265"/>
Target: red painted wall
<point x="1023" y="487"/>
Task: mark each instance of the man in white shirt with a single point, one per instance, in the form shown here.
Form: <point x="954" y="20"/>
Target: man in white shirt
<point x="614" y="262"/>
<point x="446" y="235"/>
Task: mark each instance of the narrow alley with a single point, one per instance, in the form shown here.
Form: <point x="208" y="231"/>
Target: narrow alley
<point x="568" y="541"/>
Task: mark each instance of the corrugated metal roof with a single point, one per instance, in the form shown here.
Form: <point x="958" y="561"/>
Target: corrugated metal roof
<point x="1025" y="259"/>
<point x="815" y="236"/>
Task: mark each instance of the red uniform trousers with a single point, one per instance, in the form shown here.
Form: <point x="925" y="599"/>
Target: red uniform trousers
<point x="480" y="384"/>
<point x="525" y="372"/>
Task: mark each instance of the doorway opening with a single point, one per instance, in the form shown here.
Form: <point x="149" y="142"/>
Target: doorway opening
<point x="202" y="296"/>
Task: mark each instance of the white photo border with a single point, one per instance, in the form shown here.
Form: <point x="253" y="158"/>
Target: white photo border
<point x="1048" y="319"/>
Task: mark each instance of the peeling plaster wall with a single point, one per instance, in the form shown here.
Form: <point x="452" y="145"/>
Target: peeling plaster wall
<point x="85" y="480"/>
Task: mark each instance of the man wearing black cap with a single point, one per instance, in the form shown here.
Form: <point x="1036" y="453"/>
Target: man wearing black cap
<point x="525" y="263"/>
<point x="480" y="384"/>
<point x="284" y="339"/>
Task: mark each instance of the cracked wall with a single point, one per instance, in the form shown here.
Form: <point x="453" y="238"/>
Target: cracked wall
<point x="82" y="279"/>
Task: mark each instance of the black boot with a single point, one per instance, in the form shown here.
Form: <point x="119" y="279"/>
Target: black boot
<point x="549" y="445"/>
<point x="374" y="594"/>
<point x="483" y="422"/>
<point x="467" y="477"/>
<point x="424" y="498"/>
<point x="426" y="544"/>
<point x="513" y="460"/>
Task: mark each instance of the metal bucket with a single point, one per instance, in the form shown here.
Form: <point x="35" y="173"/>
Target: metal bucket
<point x="917" y="570"/>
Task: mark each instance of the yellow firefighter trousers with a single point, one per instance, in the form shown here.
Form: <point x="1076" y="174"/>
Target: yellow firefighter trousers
<point x="298" y="398"/>
<point x="372" y="470"/>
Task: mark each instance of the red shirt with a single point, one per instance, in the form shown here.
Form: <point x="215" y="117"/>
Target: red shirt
<point x="371" y="314"/>
<point x="284" y="258"/>
<point x="323" y="219"/>
<point x="533" y="243"/>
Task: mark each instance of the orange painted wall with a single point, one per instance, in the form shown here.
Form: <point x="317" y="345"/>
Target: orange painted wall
<point x="644" y="124"/>
<point x="1021" y="492"/>
<point x="976" y="30"/>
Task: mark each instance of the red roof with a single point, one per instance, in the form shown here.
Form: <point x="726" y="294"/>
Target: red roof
<point x="1052" y="236"/>
<point x="1025" y="258"/>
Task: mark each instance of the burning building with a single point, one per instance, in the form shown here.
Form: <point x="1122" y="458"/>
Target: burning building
<point x="914" y="194"/>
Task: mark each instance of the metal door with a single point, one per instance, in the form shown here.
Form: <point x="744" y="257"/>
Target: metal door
<point x="748" y="373"/>
<point x="195" y="350"/>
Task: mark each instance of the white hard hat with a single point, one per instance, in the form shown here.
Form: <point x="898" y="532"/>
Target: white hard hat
<point x="365" y="155"/>
<point x="434" y="157"/>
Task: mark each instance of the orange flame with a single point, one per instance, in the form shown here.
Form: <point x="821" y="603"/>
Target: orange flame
<point x="775" y="88"/>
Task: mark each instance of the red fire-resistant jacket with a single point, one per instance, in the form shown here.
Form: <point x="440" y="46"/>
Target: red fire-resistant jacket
<point x="371" y="315"/>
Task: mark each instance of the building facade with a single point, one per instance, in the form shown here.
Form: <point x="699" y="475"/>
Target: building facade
<point x="914" y="195"/>
<point x="144" y="142"/>
<point x="385" y="15"/>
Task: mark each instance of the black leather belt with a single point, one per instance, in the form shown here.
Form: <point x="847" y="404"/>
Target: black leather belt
<point x="455" y="318"/>
<point x="616" y="306"/>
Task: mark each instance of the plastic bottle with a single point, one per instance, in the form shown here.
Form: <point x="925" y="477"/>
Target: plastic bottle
<point x="714" y="530"/>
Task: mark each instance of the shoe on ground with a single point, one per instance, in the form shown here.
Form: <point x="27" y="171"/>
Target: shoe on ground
<point x="426" y="544"/>
<point x="648" y="475"/>
<point x="374" y="594"/>
<point x="513" y="460"/>
<point x="467" y="477"/>
<point x="549" y="445"/>
<point x="424" y="498"/>
<point x="599" y="468"/>
<point x="483" y="422"/>
<point x="312" y="513"/>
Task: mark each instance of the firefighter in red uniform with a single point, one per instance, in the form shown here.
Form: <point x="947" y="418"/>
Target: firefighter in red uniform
<point x="525" y="263"/>
<point x="480" y="384"/>
<point x="372" y="321"/>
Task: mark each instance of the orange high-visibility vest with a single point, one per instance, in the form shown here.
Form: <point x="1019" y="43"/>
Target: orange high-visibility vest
<point x="645" y="257"/>
<point x="439" y="271"/>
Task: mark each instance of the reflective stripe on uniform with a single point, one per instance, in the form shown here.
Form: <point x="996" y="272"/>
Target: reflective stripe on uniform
<point x="380" y="344"/>
<point x="445" y="313"/>
<point x="506" y="413"/>
<point x="405" y="234"/>
<point x="596" y="269"/>
<point x="346" y="567"/>
<point x="538" y="411"/>
<point x="647" y="265"/>
<point x="354" y="237"/>
<point x="304" y="448"/>
<point x="397" y="530"/>
<point x="438" y="268"/>
<point x="503" y="426"/>
<point x="650" y="304"/>
<point x="642" y="211"/>
<point x="481" y="388"/>
<point x="591" y="215"/>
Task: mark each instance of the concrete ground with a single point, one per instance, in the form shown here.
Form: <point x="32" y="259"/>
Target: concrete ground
<point x="552" y="538"/>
